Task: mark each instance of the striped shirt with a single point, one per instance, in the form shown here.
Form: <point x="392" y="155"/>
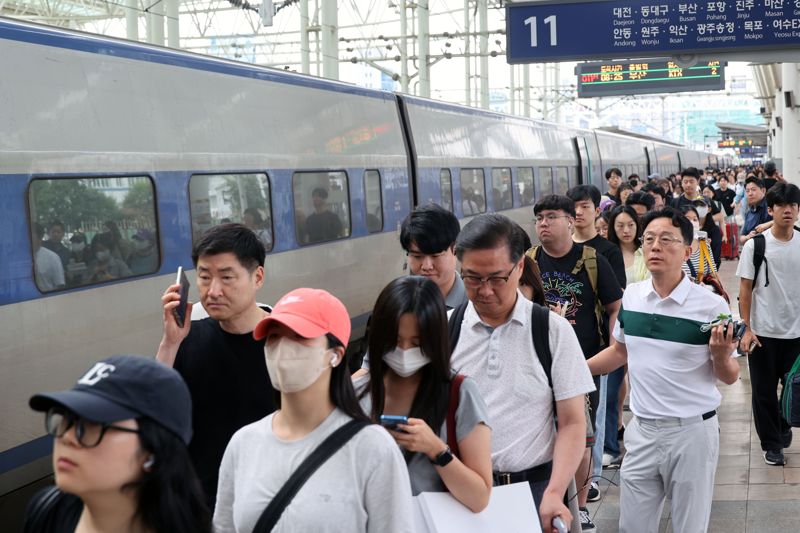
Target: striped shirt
<point x="669" y="361"/>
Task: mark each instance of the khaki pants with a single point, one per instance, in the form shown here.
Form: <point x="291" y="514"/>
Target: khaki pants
<point x="668" y="458"/>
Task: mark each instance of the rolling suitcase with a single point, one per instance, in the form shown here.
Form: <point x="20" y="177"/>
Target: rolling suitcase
<point x="730" y="249"/>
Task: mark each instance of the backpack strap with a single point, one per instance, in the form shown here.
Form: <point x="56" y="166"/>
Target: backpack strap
<point x="322" y="453"/>
<point x="759" y="251"/>
<point x="452" y="406"/>
<point x="454" y="325"/>
<point x="588" y="261"/>
<point x="691" y="268"/>
<point x="540" y="331"/>
<point x="40" y="508"/>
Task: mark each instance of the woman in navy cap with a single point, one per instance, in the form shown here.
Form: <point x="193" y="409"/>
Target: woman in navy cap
<point x="119" y="453"/>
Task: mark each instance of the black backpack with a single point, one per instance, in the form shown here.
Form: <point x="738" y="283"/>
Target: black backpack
<point x="759" y="249"/>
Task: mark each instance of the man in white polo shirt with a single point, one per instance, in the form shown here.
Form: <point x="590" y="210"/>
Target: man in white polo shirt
<point x="495" y="348"/>
<point x="672" y="443"/>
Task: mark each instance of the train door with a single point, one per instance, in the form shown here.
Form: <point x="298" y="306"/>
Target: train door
<point x="584" y="161"/>
<point x="650" y="159"/>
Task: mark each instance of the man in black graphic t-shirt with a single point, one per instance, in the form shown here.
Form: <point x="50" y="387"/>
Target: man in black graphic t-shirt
<point x="223" y="366"/>
<point x="567" y="269"/>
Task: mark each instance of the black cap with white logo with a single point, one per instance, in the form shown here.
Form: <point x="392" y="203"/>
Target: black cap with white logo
<point x="127" y="386"/>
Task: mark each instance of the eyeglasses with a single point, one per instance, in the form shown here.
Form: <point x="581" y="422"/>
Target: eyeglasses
<point x="665" y="239"/>
<point x="88" y="434"/>
<point x="495" y="282"/>
<point x="549" y="218"/>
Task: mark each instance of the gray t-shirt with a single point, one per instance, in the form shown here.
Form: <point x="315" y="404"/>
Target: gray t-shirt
<point x="363" y="487"/>
<point x="471" y="411"/>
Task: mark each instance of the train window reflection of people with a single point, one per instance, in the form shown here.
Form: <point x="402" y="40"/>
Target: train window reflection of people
<point x="105" y="265"/>
<point x="47" y="265"/>
<point x="325" y="196"/>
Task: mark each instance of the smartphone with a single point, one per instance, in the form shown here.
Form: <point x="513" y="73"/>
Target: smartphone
<point x="180" y="312"/>
<point x="559" y="524"/>
<point x="391" y="421"/>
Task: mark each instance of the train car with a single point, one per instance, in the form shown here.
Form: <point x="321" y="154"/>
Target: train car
<point x="628" y="154"/>
<point x="128" y="152"/>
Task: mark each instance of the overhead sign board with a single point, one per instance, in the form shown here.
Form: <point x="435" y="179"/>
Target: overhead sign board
<point x="732" y="143"/>
<point x="605" y="29"/>
<point x="614" y="78"/>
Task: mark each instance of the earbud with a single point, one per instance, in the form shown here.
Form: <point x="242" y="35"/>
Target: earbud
<point x="334" y="360"/>
<point x="148" y="465"/>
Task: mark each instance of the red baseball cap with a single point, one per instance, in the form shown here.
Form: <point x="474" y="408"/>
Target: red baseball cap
<point x="310" y="313"/>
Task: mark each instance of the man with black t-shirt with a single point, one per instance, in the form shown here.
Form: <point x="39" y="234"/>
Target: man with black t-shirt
<point x="724" y="195"/>
<point x="567" y="270"/>
<point x="223" y="366"/>
<point x="614" y="180"/>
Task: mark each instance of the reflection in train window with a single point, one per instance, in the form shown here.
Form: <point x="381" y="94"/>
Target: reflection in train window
<point x="220" y="198"/>
<point x="525" y="185"/>
<point x="321" y="206"/>
<point x="446" y="187"/>
<point x="473" y="197"/>
<point x="373" y="200"/>
<point x="91" y="230"/>
<point x="545" y="181"/>
<point x="502" y="196"/>
<point x="562" y="180"/>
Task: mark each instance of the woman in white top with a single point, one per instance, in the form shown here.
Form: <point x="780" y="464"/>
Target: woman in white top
<point x="623" y="230"/>
<point x="363" y="487"/>
<point x="692" y="266"/>
<point x="410" y="375"/>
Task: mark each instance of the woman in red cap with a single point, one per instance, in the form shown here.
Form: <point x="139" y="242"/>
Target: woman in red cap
<point x="410" y="375"/>
<point x="119" y="453"/>
<point x="360" y="482"/>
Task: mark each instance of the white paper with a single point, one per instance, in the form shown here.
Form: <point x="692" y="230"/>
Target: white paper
<point x="511" y="510"/>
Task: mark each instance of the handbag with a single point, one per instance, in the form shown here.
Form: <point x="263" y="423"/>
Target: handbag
<point x="790" y="395"/>
<point x="324" y="451"/>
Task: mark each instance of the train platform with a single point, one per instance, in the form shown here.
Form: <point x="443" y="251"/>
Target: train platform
<point x="749" y="495"/>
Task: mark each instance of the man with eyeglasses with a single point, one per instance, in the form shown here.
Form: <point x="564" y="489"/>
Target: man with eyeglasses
<point x="581" y="283"/>
<point x="675" y="339"/>
<point x="495" y="348"/>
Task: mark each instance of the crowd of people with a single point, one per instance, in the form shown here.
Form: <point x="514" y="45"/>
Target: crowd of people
<point x="494" y="362"/>
<point x="107" y="256"/>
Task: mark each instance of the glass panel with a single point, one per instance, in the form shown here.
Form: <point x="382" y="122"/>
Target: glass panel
<point x="525" y="185"/>
<point x="373" y="200"/>
<point x="473" y="197"/>
<point x="501" y="189"/>
<point x="220" y="198"/>
<point x="562" y="180"/>
<point x="446" y="185"/>
<point x="545" y="180"/>
<point x="91" y="230"/>
<point x="321" y="206"/>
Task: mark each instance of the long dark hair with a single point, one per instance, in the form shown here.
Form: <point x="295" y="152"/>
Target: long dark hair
<point x="170" y="496"/>
<point x="612" y="233"/>
<point x="531" y="275"/>
<point x="422" y="298"/>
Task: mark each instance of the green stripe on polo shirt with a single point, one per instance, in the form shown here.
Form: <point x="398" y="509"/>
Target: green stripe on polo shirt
<point x="663" y="327"/>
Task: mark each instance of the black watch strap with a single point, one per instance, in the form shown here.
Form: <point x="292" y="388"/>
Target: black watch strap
<point x="444" y="458"/>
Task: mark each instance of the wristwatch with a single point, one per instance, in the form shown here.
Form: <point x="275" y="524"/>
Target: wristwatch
<point x="444" y="458"/>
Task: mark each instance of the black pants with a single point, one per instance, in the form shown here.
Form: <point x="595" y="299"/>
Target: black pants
<point x="768" y="365"/>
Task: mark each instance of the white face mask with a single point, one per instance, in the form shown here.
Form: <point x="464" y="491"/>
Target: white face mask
<point x="103" y="256"/>
<point x="294" y="367"/>
<point x="696" y="226"/>
<point x="702" y="211"/>
<point x="78" y="247"/>
<point x="141" y="246"/>
<point x="406" y="362"/>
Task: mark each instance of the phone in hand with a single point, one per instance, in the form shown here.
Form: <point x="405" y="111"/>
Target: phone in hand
<point x="391" y="421"/>
<point x="559" y="525"/>
<point x="180" y="312"/>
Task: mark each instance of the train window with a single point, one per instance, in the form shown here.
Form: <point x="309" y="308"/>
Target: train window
<point x="92" y="230"/>
<point x="446" y="186"/>
<point x="502" y="196"/>
<point x="321" y="206"/>
<point x="373" y="200"/>
<point x="220" y="198"/>
<point x="525" y="185"/>
<point x="562" y="180"/>
<point x="473" y="197"/>
<point x="545" y="181"/>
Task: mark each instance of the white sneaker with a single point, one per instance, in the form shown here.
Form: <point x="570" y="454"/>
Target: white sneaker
<point x="611" y="461"/>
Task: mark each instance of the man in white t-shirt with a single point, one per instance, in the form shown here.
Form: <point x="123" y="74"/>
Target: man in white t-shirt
<point x="672" y="444"/>
<point x="495" y="348"/>
<point x="47" y="265"/>
<point x="768" y="300"/>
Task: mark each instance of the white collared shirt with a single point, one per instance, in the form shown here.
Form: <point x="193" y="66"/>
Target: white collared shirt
<point x="513" y="384"/>
<point x="669" y="361"/>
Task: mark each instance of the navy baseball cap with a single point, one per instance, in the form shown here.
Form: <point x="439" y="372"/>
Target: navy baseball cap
<point x="127" y="386"/>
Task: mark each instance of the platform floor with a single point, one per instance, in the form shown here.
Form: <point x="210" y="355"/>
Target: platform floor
<point x="749" y="495"/>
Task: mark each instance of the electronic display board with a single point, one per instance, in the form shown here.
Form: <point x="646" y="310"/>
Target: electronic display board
<point x="606" y="29"/>
<point x="642" y="76"/>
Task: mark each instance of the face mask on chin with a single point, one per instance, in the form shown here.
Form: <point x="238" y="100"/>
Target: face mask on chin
<point x="294" y="367"/>
<point x="406" y="363"/>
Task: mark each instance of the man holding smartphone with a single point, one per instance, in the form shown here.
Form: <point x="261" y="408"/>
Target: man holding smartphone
<point x="768" y="295"/>
<point x="221" y="362"/>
